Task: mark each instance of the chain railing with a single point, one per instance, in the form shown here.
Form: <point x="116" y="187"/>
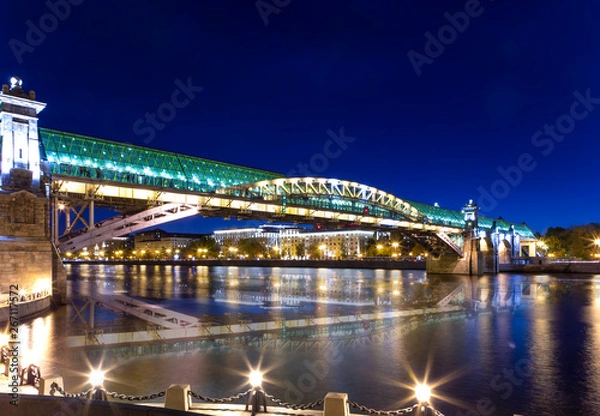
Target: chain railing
<point x="219" y="400"/>
<point x="54" y="387"/>
<point x="308" y="406"/>
<point x="152" y="396"/>
<point x="406" y="411"/>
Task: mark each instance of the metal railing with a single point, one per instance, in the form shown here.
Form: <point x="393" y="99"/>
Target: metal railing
<point x="254" y="394"/>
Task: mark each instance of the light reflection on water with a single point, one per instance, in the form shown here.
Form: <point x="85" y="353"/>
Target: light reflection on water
<point x="533" y="350"/>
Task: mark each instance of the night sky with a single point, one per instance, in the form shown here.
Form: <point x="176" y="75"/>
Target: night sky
<point x="512" y="93"/>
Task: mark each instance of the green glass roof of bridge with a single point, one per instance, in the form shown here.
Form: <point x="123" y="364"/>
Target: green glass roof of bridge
<point x="443" y="216"/>
<point x="87" y="157"/>
<point x="92" y="158"/>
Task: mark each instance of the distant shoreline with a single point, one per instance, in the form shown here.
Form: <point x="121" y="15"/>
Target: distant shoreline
<point x="566" y="267"/>
<point x="562" y="267"/>
<point x="330" y="264"/>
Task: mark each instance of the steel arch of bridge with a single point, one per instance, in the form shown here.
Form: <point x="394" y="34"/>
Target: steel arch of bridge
<point x="317" y="200"/>
<point x="334" y="194"/>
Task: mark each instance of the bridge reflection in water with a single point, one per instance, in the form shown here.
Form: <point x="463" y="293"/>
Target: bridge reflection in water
<point x="294" y="309"/>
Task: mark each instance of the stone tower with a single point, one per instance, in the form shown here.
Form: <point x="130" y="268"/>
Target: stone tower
<point x="28" y="258"/>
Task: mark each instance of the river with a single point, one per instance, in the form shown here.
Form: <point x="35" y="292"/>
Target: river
<point x="532" y="346"/>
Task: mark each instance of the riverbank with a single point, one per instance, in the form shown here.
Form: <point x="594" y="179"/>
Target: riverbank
<point x="330" y="264"/>
<point x="558" y="267"/>
<point x="25" y="310"/>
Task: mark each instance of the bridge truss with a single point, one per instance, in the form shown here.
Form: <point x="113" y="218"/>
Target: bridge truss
<point x="150" y="187"/>
<point x="303" y="200"/>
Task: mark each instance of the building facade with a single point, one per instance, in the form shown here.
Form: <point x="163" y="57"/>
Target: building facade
<point x="294" y="242"/>
<point x="158" y="239"/>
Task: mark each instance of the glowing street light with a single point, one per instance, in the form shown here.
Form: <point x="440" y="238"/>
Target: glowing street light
<point x="255" y="379"/>
<point x="422" y="393"/>
<point x="256" y="395"/>
<point x="96" y="378"/>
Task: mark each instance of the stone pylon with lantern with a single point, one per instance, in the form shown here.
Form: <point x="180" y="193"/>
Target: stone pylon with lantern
<point x="29" y="262"/>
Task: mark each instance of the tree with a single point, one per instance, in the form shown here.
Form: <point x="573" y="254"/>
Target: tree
<point x="252" y="247"/>
<point x="205" y="246"/>
<point x="313" y="251"/>
<point x="300" y="249"/>
<point x="577" y="241"/>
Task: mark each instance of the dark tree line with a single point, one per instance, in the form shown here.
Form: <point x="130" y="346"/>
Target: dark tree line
<point x="580" y="241"/>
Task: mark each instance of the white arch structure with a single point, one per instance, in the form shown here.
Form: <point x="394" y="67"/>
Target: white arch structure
<point x="307" y="199"/>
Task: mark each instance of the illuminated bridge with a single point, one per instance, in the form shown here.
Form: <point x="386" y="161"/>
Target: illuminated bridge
<point x="149" y="187"/>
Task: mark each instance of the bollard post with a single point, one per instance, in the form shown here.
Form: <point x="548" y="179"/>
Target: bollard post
<point x="336" y="404"/>
<point x="178" y="397"/>
<point x="46" y="382"/>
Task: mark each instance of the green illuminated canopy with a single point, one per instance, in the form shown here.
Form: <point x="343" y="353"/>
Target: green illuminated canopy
<point x="92" y="158"/>
<point x="103" y="160"/>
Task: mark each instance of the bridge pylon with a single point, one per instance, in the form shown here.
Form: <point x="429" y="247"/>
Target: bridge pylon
<point x="473" y="261"/>
<point x="28" y="259"/>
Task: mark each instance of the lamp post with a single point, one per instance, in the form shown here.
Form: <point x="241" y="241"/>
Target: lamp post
<point x="97" y="392"/>
<point x="256" y="395"/>
<point x="423" y="395"/>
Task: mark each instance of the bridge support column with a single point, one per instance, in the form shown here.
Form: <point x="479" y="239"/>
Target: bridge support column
<point x="28" y="258"/>
<point x="471" y="263"/>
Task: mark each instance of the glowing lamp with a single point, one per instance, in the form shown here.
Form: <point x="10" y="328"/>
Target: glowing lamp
<point x="96" y="378"/>
<point x="255" y="379"/>
<point x="422" y="393"/>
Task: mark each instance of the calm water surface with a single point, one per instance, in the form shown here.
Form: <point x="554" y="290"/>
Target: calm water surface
<point x="533" y="346"/>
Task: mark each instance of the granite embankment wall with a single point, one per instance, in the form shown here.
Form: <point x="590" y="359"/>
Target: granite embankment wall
<point x="343" y="264"/>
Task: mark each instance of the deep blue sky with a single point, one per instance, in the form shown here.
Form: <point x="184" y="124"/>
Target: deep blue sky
<point x="271" y="92"/>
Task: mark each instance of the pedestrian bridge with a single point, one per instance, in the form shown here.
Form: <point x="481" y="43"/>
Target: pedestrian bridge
<point x="150" y="187"/>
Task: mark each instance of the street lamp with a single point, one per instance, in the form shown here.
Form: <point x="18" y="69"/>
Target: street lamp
<point x="423" y="395"/>
<point x="256" y="395"/>
<point x="96" y="379"/>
